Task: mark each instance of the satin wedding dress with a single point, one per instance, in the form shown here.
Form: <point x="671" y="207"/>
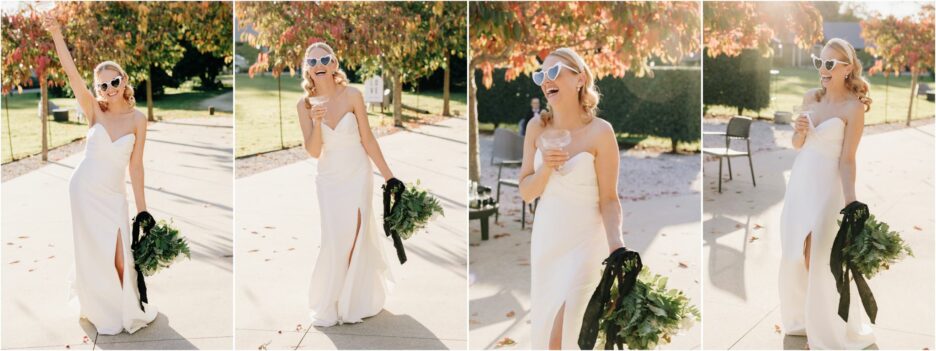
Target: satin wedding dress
<point x="568" y="245"/>
<point x="351" y="278"/>
<point x="809" y="298"/>
<point x="98" y="197"/>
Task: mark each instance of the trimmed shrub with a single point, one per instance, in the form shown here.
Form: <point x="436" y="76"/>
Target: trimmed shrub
<point x="665" y="105"/>
<point x="742" y="81"/>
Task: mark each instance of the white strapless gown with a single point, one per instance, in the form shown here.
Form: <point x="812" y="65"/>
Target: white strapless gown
<point x="813" y="199"/>
<point x="343" y="292"/>
<point x="98" y="196"/>
<point x="567" y="248"/>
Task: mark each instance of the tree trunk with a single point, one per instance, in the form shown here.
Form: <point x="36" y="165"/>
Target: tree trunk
<point x="279" y="96"/>
<point x="44" y="111"/>
<point x="149" y="94"/>
<point x="913" y="88"/>
<point x="446" y="94"/>
<point x="474" y="160"/>
<point x="886" y="95"/>
<point x="740" y="111"/>
<point x="397" y="99"/>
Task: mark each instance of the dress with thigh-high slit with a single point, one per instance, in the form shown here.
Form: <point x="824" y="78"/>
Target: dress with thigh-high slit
<point x="98" y="198"/>
<point x="351" y="278"/>
<point x="568" y="245"/>
<point x="809" y="298"/>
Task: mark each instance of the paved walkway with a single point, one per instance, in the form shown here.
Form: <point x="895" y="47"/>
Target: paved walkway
<point x="742" y="244"/>
<point x="661" y="221"/>
<point x="277" y="243"/>
<point x="188" y="177"/>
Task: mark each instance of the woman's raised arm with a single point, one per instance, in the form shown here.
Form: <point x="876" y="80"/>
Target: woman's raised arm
<point x="84" y="96"/>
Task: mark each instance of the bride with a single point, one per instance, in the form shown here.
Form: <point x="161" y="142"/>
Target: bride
<point x="578" y="219"/>
<point x="821" y="183"/>
<point x="351" y="277"/>
<point x="103" y="284"/>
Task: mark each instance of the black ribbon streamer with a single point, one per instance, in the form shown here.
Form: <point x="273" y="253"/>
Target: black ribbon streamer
<point x="853" y="222"/>
<point x="600" y="302"/>
<point x="392" y="193"/>
<point x="146" y="220"/>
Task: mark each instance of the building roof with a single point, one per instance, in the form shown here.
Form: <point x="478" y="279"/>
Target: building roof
<point x="850" y="31"/>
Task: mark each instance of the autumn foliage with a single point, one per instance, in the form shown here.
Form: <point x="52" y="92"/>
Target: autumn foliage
<point x="731" y="27"/>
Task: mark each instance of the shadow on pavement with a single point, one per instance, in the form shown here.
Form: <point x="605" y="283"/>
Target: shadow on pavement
<point x="361" y="336"/>
<point x="156" y="336"/>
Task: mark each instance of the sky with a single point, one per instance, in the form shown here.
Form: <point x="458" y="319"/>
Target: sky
<point x="896" y="8"/>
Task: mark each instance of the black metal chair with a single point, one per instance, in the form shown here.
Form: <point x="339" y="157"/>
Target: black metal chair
<point x="739" y="127"/>
<point x="508" y="151"/>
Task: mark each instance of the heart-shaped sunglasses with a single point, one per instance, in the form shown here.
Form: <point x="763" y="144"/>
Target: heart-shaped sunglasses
<point x="551" y="73"/>
<point x="114" y="83"/>
<point x="829" y="64"/>
<point x="324" y="60"/>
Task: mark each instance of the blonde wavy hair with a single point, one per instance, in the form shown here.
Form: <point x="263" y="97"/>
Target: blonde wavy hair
<point x="99" y="95"/>
<point x="854" y="82"/>
<point x="588" y="96"/>
<point x="308" y="85"/>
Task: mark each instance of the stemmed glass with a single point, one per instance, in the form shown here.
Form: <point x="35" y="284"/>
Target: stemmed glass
<point x="799" y="110"/>
<point x="555" y="139"/>
<point x="317" y="101"/>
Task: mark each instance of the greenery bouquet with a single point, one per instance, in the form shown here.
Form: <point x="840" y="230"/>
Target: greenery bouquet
<point x="413" y="211"/>
<point x="632" y="306"/>
<point x="862" y="248"/>
<point x="159" y="248"/>
<point x="649" y="315"/>
<point x="875" y="248"/>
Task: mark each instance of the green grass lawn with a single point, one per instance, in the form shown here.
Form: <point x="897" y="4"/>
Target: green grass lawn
<point x="24" y="128"/>
<point x="625" y="140"/>
<point x="258" y="112"/>
<point x="891" y="97"/>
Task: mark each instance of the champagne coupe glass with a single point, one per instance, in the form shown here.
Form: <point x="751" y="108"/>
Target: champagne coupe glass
<point x="317" y="101"/>
<point x="803" y="110"/>
<point x="555" y="139"/>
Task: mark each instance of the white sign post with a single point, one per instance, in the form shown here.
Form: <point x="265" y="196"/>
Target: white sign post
<point x="373" y="90"/>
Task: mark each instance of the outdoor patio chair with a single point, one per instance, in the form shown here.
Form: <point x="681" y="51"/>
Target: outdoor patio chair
<point x="508" y="151"/>
<point x="739" y="127"/>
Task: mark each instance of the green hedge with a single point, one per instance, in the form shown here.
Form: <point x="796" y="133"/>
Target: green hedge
<point x="742" y="81"/>
<point x="666" y="105"/>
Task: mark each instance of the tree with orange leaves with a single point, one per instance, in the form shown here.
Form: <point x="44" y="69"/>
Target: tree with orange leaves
<point x="901" y="43"/>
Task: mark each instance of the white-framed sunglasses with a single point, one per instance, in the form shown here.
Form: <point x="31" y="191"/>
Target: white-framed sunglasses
<point x="829" y="64"/>
<point x="324" y="60"/>
<point x="114" y="83"/>
<point x="551" y="73"/>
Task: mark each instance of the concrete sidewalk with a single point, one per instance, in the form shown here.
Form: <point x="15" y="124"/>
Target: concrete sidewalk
<point x="742" y="244"/>
<point x="661" y="205"/>
<point x="188" y="178"/>
<point x="278" y="238"/>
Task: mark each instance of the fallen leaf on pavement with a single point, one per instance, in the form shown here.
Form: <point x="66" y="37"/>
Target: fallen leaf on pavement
<point x="14" y="262"/>
<point x="501" y="235"/>
<point x="511" y="314"/>
<point x="752" y="239"/>
<point x="683" y="264"/>
<point x="917" y="228"/>
<point x="776" y="328"/>
<point x="505" y="342"/>
<point x="758" y="226"/>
